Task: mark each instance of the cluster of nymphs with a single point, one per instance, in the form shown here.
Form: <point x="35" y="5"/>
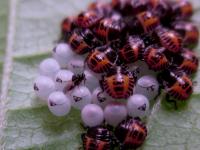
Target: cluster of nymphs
<point x="112" y="60"/>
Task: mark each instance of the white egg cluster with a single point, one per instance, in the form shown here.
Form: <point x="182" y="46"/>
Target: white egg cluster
<point x="64" y="82"/>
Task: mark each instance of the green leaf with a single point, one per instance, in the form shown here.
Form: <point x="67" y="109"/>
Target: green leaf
<point x="3" y="26"/>
<point x="38" y="23"/>
<point x="27" y="123"/>
<point x="3" y="29"/>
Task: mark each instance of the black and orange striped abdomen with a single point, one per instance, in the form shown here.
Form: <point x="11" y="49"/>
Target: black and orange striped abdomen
<point x="119" y="85"/>
<point x="181" y="89"/>
<point x="191" y="35"/>
<point x="102" y="30"/>
<point x="109" y="29"/>
<point x="190" y="62"/>
<point x="98" y="138"/>
<point x="98" y="62"/>
<point x="188" y="31"/>
<point x="155" y="58"/>
<point x="88" y="19"/>
<point x="78" y="44"/>
<point x="131" y="133"/>
<point x="95" y="144"/>
<point x="189" y="66"/>
<point x="169" y="39"/>
<point x="183" y="9"/>
<point x="129" y="54"/>
<point x="135" y="137"/>
<point x="132" y="50"/>
<point x="148" y="21"/>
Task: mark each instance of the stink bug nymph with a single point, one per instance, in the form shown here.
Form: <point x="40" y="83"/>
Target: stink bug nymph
<point x="118" y="83"/>
<point x="182" y="9"/>
<point x="101" y="59"/>
<point x="88" y="19"/>
<point x="148" y="21"/>
<point x="155" y="58"/>
<point x="188" y="31"/>
<point x="67" y="26"/>
<point x="82" y="41"/>
<point x="131" y="133"/>
<point x="132" y="50"/>
<point x="98" y="138"/>
<point x="101" y="7"/>
<point x="160" y="8"/>
<point x="186" y="61"/>
<point x="110" y="29"/>
<point x="169" y="39"/>
<point x="176" y="84"/>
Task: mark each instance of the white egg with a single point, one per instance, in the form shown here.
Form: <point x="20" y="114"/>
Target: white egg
<point x="114" y="113"/>
<point x="91" y="81"/>
<point x="99" y="98"/>
<point x="63" y="54"/>
<point x="59" y="104"/>
<point x="43" y="87"/>
<point x="147" y="86"/>
<point x="80" y="96"/>
<point x="63" y="79"/>
<point x="49" y="67"/>
<point x="76" y="65"/>
<point x="92" y="115"/>
<point x="138" y="106"/>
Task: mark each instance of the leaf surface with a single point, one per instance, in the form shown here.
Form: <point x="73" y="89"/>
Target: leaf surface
<point x="3" y="29"/>
<point x="27" y="122"/>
